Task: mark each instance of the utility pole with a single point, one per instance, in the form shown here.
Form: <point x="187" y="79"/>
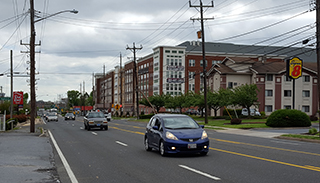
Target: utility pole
<point x="318" y="51"/>
<point x="121" y="84"/>
<point x="80" y="100"/>
<point x="93" y="96"/>
<point x="84" y="99"/>
<point x="11" y="75"/>
<point x="135" y="77"/>
<point x="104" y="87"/>
<point x="203" y="54"/>
<point x="32" y="69"/>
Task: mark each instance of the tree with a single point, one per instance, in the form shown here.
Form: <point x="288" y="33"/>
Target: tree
<point x="157" y="101"/>
<point x="73" y="98"/>
<point x="89" y="100"/>
<point x="179" y="101"/>
<point x="245" y="96"/>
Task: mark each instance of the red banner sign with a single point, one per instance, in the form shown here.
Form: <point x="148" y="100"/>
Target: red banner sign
<point x="18" y="98"/>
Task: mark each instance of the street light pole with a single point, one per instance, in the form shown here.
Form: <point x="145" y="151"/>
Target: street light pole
<point x="32" y="62"/>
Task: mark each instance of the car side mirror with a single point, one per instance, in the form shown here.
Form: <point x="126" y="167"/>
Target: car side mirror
<point x="202" y="126"/>
<point x="155" y="127"/>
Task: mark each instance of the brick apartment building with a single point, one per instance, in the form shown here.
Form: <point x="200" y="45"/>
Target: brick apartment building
<point x="176" y="69"/>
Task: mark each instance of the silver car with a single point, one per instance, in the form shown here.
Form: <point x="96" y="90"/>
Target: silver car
<point x="95" y="120"/>
<point x="52" y="116"/>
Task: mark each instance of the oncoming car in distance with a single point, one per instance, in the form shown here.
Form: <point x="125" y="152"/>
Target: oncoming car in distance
<point x="175" y="133"/>
<point x="69" y="116"/>
<point x="95" y="120"/>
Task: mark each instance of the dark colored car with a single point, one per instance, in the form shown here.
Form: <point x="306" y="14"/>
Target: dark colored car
<point x="69" y="116"/>
<point x="192" y="112"/>
<point x="175" y="133"/>
<point x="95" y="120"/>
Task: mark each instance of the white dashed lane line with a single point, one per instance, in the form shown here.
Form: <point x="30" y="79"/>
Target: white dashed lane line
<point x="199" y="172"/>
<point x="121" y="143"/>
<point x="94" y="133"/>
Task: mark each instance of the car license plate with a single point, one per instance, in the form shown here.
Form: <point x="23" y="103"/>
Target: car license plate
<point x="192" y="146"/>
<point x="98" y="124"/>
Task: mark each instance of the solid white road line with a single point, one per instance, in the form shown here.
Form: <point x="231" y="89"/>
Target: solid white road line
<point x="199" y="172"/>
<point x="121" y="143"/>
<point x="94" y="133"/>
<point x="63" y="159"/>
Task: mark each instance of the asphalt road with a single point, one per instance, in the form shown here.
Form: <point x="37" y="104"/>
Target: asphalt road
<point x="118" y="155"/>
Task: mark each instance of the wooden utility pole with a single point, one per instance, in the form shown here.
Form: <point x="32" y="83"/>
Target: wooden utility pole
<point x="104" y="87"/>
<point x="318" y="52"/>
<point x="121" y="108"/>
<point x="135" y="76"/>
<point x="11" y="75"/>
<point x="32" y="69"/>
<point x="203" y="55"/>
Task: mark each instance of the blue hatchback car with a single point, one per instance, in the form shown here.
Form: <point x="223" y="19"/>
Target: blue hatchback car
<point x="175" y="133"/>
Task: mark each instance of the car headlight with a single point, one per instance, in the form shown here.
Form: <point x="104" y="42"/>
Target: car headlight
<point x="169" y="135"/>
<point x="204" y="135"/>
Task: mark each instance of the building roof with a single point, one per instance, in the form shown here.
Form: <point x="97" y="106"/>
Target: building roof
<point x="269" y="67"/>
<point x="306" y="54"/>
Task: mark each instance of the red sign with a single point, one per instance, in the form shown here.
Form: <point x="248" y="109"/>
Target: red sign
<point x="18" y="98"/>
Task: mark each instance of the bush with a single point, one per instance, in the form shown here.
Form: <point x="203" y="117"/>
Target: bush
<point x="288" y="118"/>
<point x="313" y="118"/>
<point x="8" y="125"/>
<point x="148" y="116"/>
<point x="313" y="131"/>
<point x="235" y="121"/>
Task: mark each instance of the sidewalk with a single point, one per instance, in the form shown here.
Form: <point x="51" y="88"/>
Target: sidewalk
<point x="26" y="157"/>
<point x="249" y="132"/>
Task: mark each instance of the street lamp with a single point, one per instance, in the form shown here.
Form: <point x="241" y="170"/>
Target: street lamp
<point x="32" y="61"/>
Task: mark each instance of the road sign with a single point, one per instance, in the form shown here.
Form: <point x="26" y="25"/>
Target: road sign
<point x="18" y="98"/>
<point x="5" y="98"/>
<point x="117" y="107"/>
<point x="295" y="68"/>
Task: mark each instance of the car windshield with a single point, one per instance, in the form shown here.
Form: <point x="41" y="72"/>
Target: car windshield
<point x="69" y="114"/>
<point x="52" y="114"/>
<point x="96" y="115"/>
<point x="180" y="123"/>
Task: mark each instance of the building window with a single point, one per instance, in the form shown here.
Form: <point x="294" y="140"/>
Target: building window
<point x="287" y="107"/>
<point x="191" y="75"/>
<point x="306" y="78"/>
<point x="230" y="84"/>
<point x="287" y="93"/>
<point x="167" y="51"/>
<point x="216" y="62"/>
<point x="305" y="108"/>
<point x="269" y="77"/>
<point x="174" y="51"/>
<point x="288" y="79"/>
<point x="181" y="52"/>
<point x="167" y="86"/>
<point x="305" y="93"/>
<point x="269" y="93"/>
<point x="201" y="63"/>
<point x="268" y="108"/>
<point x="192" y="63"/>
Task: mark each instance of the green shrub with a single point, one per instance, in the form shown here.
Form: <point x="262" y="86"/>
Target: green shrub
<point x="263" y="114"/>
<point x="313" y="131"/>
<point x="288" y="118"/>
<point x="313" y="118"/>
<point x="148" y="116"/>
<point x="235" y="121"/>
<point x="9" y="125"/>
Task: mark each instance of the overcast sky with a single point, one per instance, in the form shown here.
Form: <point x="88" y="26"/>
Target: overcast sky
<point x="74" y="46"/>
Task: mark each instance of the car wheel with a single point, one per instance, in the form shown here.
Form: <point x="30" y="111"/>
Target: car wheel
<point x="161" y="149"/>
<point x="146" y="145"/>
<point x="106" y="128"/>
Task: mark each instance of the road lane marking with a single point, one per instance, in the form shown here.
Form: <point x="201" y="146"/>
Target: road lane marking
<point x="249" y="156"/>
<point x="81" y="128"/>
<point x="199" y="172"/>
<point x="269" y="160"/>
<point x="283" y="142"/>
<point x="121" y="143"/>
<point x="141" y="133"/>
<point x="64" y="160"/>
<point x="267" y="147"/>
<point x="94" y="133"/>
